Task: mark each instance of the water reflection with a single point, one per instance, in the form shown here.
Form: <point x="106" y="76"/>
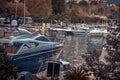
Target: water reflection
<point x="74" y="47"/>
<point x="95" y="43"/>
<point x="77" y="45"/>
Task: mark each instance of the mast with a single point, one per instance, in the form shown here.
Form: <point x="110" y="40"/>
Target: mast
<point x="24" y="11"/>
<point x="16" y="1"/>
<point x="16" y="11"/>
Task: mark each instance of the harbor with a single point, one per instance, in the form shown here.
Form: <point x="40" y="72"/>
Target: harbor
<point x="54" y="43"/>
<point x="36" y="47"/>
<point x="59" y="40"/>
<point x="74" y="47"/>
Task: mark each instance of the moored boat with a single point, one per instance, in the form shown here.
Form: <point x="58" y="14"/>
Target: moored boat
<point x="96" y="32"/>
<point x="80" y="31"/>
<point x="28" y="54"/>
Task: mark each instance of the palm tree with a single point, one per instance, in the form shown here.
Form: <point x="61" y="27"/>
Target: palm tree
<point x="76" y="73"/>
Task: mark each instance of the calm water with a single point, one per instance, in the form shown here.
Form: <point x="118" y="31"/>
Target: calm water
<point x="77" y="45"/>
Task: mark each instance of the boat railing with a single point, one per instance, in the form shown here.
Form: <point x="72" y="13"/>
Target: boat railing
<point x="34" y="49"/>
<point x="20" y="49"/>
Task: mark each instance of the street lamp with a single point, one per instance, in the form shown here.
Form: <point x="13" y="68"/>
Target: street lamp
<point x="16" y="1"/>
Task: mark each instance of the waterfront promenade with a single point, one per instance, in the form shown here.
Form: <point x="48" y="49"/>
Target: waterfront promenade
<point x="103" y="54"/>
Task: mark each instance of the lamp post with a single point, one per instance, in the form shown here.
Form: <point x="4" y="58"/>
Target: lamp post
<point x="16" y="1"/>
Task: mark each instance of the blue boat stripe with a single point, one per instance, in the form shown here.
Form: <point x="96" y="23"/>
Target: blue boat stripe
<point x="35" y="54"/>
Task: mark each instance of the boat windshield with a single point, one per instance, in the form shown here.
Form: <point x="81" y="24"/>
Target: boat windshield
<point x="40" y="38"/>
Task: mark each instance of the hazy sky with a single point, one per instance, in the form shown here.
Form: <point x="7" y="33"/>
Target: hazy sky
<point x="113" y="1"/>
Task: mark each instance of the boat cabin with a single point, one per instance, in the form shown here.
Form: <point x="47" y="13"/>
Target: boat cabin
<point x="17" y="47"/>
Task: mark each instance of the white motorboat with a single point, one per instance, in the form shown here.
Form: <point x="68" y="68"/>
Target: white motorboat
<point x="98" y="32"/>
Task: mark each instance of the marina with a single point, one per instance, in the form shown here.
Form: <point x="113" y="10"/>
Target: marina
<point x="59" y="40"/>
<point x="76" y="45"/>
<point x="73" y="46"/>
<point x="39" y="46"/>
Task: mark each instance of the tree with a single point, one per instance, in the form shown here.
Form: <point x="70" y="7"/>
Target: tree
<point x="114" y="53"/>
<point x="71" y="3"/>
<point x="58" y="6"/>
<point x="39" y="8"/>
<point x="7" y="70"/>
<point x="102" y="70"/>
<point x="93" y="3"/>
<point x="99" y="68"/>
<point x="83" y="3"/>
<point x="20" y="9"/>
<point x="3" y="10"/>
<point x="119" y="7"/>
<point x="76" y="73"/>
<point x="8" y="0"/>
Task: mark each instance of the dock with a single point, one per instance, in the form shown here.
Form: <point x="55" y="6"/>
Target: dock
<point x="103" y="54"/>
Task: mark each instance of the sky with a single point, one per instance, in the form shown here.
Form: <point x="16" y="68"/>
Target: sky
<point x="113" y="1"/>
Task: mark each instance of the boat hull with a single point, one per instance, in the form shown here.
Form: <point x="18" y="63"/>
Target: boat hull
<point x="69" y="33"/>
<point x="79" y="31"/>
<point x="96" y="34"/>
<point x="99" y="34"/>
<point x="33" y="61"/>
<point x="74" y="32"/>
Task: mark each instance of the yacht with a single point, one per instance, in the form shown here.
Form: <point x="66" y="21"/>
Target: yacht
<point x="79" y="31"/>
<point x="98" y="32"/>
<point x="28" y="54"/>
<point x="75" y="31"/>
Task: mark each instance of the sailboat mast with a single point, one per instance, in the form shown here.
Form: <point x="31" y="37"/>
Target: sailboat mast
<point x="24" y="11"/>
<point x="16" y="8"/>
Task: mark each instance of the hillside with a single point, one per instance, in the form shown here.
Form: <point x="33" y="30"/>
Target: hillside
<point x="33" y="8"/>
<point x="54" y="8"/>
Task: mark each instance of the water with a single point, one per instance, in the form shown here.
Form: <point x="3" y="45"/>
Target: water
<point x="77" y="45"/>
<point x="95" y="43"/>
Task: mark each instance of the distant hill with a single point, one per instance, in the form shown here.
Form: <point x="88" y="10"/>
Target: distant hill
<point x="44" y="8"/>
<point x="113" y="1"/>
